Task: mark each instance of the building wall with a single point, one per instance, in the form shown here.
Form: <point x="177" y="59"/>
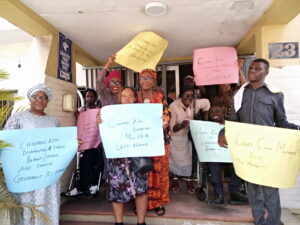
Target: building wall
<point x="10" y="56"/>
<point x="34" y="57"/>
<point x="280" y="33"/>
<point x="55" y="108"/>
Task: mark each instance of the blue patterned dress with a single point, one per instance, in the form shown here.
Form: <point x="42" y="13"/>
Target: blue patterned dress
<point x="48" y="197"/>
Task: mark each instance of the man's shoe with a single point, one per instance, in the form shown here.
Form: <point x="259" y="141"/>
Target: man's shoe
<point x="238" y="199"/>
<point x="217" y="201"/>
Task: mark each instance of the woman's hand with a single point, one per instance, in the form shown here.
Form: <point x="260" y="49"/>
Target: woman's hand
<point x="98" y="119"/>
<point x="79" y="141"/>
<point x="165" y="120"/>
<point x="185" y="124"/>
<point x="111" y="60"/>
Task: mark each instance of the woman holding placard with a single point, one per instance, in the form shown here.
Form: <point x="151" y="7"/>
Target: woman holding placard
<point x="158" y="182"/>
<point x="89" y="161"/>
<point x="124" y="182"/>
<point x="182" y="111"/>
<point x="48" y="199"/>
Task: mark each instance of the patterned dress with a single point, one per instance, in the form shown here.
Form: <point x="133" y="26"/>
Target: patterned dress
<point x="225" y="101"/>
<point x="48" y="198"/>
<point x="124" y="184"/>
<point x="158" y="182"/>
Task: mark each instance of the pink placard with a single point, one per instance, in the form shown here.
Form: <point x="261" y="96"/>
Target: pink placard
<point x="217" y="65"/>
<point x="88" y="129"/>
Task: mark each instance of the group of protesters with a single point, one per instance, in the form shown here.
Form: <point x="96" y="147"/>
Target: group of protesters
<point x="258" y="104"/>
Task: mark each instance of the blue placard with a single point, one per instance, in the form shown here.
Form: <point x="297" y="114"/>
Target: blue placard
<point x="205" y="137"/>
<point x="132" y="130"/>
<point x="64" y="58"/>
<point x="38" y="157"/>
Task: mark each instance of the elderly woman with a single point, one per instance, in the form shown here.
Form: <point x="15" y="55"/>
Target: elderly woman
<point x="182" y="111"/>
<point x="125" y="183"/>
<point x="109" y="88"/>
<point x="158" y="182"/>
<point x="48" y="199"/>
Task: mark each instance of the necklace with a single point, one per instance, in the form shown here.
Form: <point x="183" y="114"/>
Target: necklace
<point x="147" y="100"/>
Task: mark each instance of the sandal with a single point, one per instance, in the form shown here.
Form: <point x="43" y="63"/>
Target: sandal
<point x="190" y="186"/>
<point x="160" y="211"/>
<point x="175" y="186"/>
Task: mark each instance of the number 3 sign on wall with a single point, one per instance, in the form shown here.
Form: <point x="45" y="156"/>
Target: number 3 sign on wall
<point x="285" y="50"/>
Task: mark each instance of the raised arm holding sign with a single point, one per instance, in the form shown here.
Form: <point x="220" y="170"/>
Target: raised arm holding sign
<point x="142" y="52"/>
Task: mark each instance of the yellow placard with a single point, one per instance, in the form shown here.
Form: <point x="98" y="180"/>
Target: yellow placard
<point x="264" y="155"/>
<point x="142" y="52"/>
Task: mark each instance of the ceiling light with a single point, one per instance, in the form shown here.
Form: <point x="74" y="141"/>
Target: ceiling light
<point x="156" y="9"/>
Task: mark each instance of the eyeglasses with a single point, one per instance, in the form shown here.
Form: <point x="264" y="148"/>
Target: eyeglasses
<point x="37" y="97"/>
<point x="146" y="78"/>
<point x="188" y="96"/>
<point x="115" y="83"/>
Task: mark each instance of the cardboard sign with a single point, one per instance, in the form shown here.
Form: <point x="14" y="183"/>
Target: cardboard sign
<point x="205" y="137"/>
<point x="88" y="129"/>
<point x="264" y="155"/>
<point x="142" y="52"/>
<point x="38" y="157"/>
<point x="216" y="65"/>
<point x="132" y="130"/>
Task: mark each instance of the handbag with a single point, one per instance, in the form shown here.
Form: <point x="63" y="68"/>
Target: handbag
<point x="141" y="164"/>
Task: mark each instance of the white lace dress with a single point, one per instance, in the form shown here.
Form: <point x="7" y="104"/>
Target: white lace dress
<point x="48" y="197"/>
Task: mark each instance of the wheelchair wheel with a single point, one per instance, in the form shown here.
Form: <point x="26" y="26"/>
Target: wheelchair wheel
<point x="200" y="193"/>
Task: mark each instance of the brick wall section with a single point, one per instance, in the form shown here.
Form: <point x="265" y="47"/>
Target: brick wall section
<point x="54" y="108"/>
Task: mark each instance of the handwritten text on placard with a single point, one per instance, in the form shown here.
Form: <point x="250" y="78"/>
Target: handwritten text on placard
<point x="38" y="157"/>
<point x="264" y="155"/>
<point x="205" y="137"/>
<point x="88" y="129"/>
<point x="142" y="52"/>
<point x="216" y="65"/>
<point x="132" y="130"/>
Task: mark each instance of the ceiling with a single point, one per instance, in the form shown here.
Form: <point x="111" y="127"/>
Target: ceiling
<point x="102" y="27"/>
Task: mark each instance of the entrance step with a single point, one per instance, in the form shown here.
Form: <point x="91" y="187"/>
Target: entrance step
<point x="83" y="223"/>
<point x="183" y="209"/>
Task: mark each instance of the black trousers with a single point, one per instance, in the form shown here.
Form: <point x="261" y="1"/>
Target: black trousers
<point x="90" y="166"/>
<point x="216" y="178"/>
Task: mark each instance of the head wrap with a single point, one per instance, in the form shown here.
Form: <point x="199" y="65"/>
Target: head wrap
<point x="111" y="75"/>
<point x="153" y="73"/>
<point x="40" y="87"/>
